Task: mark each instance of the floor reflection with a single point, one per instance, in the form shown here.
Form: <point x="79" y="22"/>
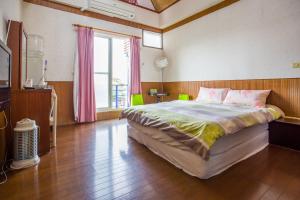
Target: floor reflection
<point x="111" y="150"/>
<point x="99" y="161"/>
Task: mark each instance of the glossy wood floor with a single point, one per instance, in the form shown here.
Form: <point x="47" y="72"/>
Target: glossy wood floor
<point x="98" y="161"/>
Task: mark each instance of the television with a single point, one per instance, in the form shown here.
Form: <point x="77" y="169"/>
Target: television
<point x="5" y="66"/>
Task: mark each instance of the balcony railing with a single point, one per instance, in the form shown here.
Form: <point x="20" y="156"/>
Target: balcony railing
<point x="120" y="96"/>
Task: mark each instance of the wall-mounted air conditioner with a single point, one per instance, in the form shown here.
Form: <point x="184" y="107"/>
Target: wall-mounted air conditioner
<point x="111" y="8"/>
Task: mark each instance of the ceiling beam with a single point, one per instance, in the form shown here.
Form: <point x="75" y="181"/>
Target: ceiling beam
<point x="154" y="5"/>
<point x="137" y="5"/>
<point x="72" y="9"/>
<point x="153" y="2"/>
<point x="200" y="14"/>
<point x="161" y="5"/>
<point x="169" y="6"/>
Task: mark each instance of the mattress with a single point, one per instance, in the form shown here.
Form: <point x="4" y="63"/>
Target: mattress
<point x="226" y="152"/>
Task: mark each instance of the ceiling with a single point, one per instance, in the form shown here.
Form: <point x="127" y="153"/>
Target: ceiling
<point x="154" y="5"/>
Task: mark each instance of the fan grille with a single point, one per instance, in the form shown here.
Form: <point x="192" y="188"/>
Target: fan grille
<point x="25" y="144"/>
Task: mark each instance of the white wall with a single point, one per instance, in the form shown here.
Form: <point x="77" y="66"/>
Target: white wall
<point x="59" y="37"/>
<point x="251" y="39"/>
<point x="9" y="9"/>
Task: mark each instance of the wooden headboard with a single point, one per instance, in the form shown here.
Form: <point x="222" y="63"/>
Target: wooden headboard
<point x="285" y="92"/>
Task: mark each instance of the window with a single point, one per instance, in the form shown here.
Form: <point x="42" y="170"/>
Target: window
<point x="152" y="39"/>
<point x="111" y="71"/>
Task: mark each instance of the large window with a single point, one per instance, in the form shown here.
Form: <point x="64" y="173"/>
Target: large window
<point x="111" y="66"/>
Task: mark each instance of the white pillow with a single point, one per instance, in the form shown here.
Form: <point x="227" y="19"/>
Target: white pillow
<point x="212" y="95"/>
<point x="254" y="98"/>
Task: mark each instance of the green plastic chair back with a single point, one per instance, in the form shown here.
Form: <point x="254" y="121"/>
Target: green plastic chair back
<point x="136" y="99"/>
<point x="184" y="97"/>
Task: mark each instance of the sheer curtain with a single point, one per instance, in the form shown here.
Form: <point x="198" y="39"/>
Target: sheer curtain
<point x="84" y="94"/>
<point x="135" y="72"/>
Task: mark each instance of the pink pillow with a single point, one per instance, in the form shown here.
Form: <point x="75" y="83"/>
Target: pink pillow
<point x="212" y="95"/>
<point x="254" y="98"/>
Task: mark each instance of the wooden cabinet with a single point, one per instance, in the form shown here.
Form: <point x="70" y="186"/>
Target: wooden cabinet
<point x="286" y="133"/>
<point x="34" y="104"/>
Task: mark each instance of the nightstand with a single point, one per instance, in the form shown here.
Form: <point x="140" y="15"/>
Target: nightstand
<point x="285" y="132"/>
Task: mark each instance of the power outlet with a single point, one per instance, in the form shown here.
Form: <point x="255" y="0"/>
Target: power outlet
<point x="296" y="65"/>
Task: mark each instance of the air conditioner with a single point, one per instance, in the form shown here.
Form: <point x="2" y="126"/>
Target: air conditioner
<point x="111" y="8"/>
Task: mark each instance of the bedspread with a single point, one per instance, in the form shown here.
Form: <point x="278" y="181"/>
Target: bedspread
<point x="199" y="125"/>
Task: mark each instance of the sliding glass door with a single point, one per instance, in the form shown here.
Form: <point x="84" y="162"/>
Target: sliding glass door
<point x="102" y="69"/>
<point x="111" y="66"/>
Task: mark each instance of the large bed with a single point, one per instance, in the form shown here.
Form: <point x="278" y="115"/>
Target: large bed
<point x="241" y="133"/>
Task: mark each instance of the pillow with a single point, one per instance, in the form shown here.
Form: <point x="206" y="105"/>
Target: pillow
<point x="212" y="95"/>
<point x="254" y="98"/>
<point x="276" y="109"/>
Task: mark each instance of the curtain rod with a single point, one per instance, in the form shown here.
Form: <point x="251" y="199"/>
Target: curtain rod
<point x="107" y="31"/>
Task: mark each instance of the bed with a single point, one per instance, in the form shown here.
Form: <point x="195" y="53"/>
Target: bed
<point x="202" y="139"/>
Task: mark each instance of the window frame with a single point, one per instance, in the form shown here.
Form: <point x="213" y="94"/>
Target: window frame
<point x="162" y="43"/>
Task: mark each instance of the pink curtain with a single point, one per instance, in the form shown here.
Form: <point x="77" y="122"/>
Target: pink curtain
<point x="86" y="94"/>
<point x="135" y="72"/>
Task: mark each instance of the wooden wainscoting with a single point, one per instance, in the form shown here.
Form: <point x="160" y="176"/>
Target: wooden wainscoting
<point x="107" y="115"/>
<point x="64" y="91"/>
<point x="146" y="86"/>
<point x="285" y="92"/>
<point x="65" y="111"/>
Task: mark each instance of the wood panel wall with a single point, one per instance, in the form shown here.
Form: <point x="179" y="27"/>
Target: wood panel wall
<point x="107" y="115"/>
<point x="65" y="111"/>
<point x="285" y="92"/>
<point x="146" y="86"/>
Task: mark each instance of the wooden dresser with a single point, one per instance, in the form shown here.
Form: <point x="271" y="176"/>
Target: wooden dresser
<point x="34" y="103"/>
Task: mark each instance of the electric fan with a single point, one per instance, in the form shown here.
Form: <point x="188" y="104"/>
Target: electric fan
<point x="25" y="144"/>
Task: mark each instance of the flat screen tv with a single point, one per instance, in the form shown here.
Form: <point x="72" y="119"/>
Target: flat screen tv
<point x="5" y="66"/>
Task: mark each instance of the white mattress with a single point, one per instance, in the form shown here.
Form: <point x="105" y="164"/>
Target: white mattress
<point x="226" y="152"/>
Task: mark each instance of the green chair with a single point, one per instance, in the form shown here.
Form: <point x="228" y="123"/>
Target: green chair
<point x="184" y="97"/>
<point x="136" y="99"/>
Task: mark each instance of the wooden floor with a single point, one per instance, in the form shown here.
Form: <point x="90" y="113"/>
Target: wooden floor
<point x="98" y="161"/>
